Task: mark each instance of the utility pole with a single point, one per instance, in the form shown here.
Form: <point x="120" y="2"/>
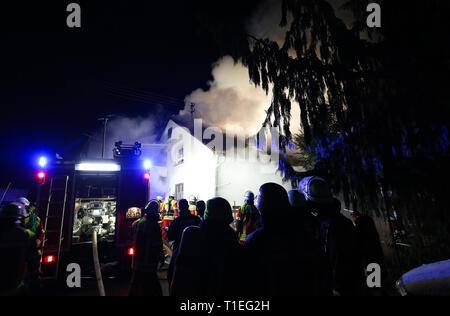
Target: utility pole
<point x="192" y="111"/>
<point x="105" y="122"/>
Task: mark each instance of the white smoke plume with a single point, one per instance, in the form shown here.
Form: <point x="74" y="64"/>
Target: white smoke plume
<point x="129" y="130"/>
<point x="125" y="129"/>
<point x="232" y="102"/>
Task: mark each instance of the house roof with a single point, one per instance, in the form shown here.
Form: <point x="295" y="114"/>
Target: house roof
<point x="190" y="127"/>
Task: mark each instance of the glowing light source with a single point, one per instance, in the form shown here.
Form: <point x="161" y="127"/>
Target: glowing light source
<point x="147" y="164"/>
<point x="147" y="176"/>
<point x="97" y="166"/>
<point x="41" y="177"/>
<point x="49" y="259"/>
<point x="42" y="162"/>
<point x="131" y="251"/>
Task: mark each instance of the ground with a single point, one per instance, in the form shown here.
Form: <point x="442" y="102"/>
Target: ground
<point x="114" y="286"/>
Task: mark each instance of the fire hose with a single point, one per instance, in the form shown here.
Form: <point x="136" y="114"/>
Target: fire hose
<point x="168" y="250"/>
<point x="98" y="272"/>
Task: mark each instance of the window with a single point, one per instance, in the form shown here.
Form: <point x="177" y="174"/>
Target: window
<point x="169" y="133"/>
<point x="180" y="156"/>
<point x="179" y="188"/>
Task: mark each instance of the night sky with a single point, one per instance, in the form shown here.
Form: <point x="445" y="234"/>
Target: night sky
<point x="56" y="81"/>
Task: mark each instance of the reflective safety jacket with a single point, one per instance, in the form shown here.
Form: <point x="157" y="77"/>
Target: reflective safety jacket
<point x="247" y="221"/>
<point x="193" y="209"/>
<point x="170" y="210"/>
<point x="35" y="229"/>
<point x="161" y="209"/>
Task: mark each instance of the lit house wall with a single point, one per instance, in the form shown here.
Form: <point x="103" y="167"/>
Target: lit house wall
<point x="205" y="174"/>
<point x="190" y="164"/>
<point x="236" y="176"/>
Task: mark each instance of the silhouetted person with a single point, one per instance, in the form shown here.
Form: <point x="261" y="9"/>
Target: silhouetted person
<point x="208" y="257"/>
<point x="148" y="253"/>
<point x="338" y="237"/>
<point x="368" y="242"/>
<point x="279" y="259"/>
<point x="309" y="223"/>
<point x="176" y="229"/>
<point x="17" y="249"/>
<point x="201" y="207"/>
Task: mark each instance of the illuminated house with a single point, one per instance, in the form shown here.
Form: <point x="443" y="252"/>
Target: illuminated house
<point x="195" y="168"/>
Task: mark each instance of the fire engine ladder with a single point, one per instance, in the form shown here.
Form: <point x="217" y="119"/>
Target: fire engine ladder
<point x="54" y="219"/>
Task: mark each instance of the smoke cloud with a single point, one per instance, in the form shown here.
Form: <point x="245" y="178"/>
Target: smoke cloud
<point x="125" y="129"/>
<point x="129" y="130"/>
<point x="232" y="102"/>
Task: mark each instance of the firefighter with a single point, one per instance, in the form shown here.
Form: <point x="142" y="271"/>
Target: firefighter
<point x="248" y="218"/>
<point x="34" y="227"/>
<point x="174" y="205"/>
<point x="33" y="222"/>
<point x="159" y="200"/>
<point x="169" y="213"/>
<point x="19" y="246"/>
<point x="149" y="252"/>
<point x="193" y="205"/>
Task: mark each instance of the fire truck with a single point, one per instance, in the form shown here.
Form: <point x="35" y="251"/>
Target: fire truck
<point x="77" y="198"/>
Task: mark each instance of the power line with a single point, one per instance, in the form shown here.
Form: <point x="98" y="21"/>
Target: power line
<point x="142" y="100"/>
<point x="143" y="96"/>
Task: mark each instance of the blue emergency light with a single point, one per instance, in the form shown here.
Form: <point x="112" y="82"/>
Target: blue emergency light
<point x="42" y="162"/>
<point x="147" y="164"/>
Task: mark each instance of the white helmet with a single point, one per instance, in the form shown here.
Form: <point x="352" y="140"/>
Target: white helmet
<point x="22" y="209"/>
<point x="315" y="189"/>
<point x="24" y="201"/>
<point x="249" y="196"/>
<point x="192" y="199"/>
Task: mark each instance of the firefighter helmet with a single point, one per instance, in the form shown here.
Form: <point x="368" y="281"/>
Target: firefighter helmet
<point x="315" y="189"/>
<point x="159" y="198"/>
<point x="192" y="200"/>
<point x="12" y="211"/>
<point x="249" y="196"/>
<point x="24" y="201"/>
